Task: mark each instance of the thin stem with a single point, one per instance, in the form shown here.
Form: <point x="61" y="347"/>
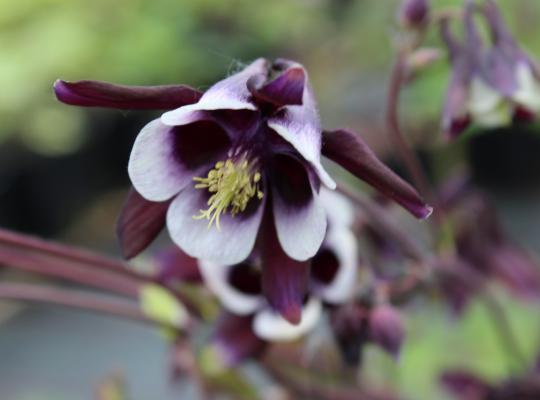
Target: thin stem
<point x="65" y="252"/>
<point x="71" y="298"/>
<point x="405" y="151"/>
<point x="503" y="327"/>
<point x="43" y="265"/>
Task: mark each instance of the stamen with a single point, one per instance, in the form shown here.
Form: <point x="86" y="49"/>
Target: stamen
<point x="233" y="184"/>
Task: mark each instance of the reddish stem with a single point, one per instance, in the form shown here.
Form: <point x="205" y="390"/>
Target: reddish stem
<point x="72" y="298"/>
<point x="58" y="268"/>
<point x="406" y="153"/>
<point x="65" y="252"/>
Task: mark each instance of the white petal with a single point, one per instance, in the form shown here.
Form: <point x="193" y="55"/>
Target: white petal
<point x="300" y="126"/>
<point x="271" y="326"/>
<point x="228" y="94"/>
<point x="339" y="210"/>
<point x="153" y="169"/>
<point x="215" y="277"/>
<point x="300" y="229"/>
<point x="229" y="245"/>
<point x="528" y="93"/>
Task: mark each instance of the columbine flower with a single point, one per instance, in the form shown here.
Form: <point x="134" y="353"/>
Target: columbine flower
<point x="489" y="86"/>
<point x="244" y="293"/>
<point x="246" y="151"/>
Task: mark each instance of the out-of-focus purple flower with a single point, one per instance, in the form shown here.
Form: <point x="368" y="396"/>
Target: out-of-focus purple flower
<point x="248" y="148"/>
<point x="511" y="69"/>
<point x="413" y="13"/>
<point x="484" y="252"/>
<point x="489" y="86"/>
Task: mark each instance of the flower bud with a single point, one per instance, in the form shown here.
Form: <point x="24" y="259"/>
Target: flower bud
<point x="413" y="14"/>
<point x="386" y="328"/>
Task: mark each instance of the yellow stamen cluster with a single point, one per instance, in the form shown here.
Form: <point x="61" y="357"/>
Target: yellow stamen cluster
<point x="233" y="185"/>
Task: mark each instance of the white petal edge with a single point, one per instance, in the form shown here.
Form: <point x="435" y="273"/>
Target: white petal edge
<point x="215" y="278"/>
<point x="343" y="243"/>
<point x="300" y="231"/>
<point x="228" y="94"/>
<point x="339" y="210"/>
<point x="152" y="168"/>
<point x="269" y="325"/>
<point x="306" y="149"/>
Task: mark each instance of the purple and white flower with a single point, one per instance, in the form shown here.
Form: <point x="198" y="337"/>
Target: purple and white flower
<point x="225" y="167"/>
<point x="490" y="86"/>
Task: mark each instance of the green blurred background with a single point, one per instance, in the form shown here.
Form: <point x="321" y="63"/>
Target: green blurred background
<point x="63" y="169"/>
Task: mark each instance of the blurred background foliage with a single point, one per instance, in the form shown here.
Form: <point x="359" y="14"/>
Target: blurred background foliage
<point x="63" y="169"/>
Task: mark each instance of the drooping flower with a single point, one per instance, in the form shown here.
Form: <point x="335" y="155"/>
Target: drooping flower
<point x="490" y="85"/>
<point x="256" y="305"/>
<point x="247" y="151"/>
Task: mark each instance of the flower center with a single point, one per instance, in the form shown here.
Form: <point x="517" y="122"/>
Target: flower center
<point x="233" y="184"/>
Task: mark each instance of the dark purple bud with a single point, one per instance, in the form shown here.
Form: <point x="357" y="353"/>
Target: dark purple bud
<point x="284" y="280"/>
<point x="139" y="223"/>
<point x="386" y="328"/>
<point x="413" y="13"/>
<point x="285" y="89"/>
<point x="176" y="266"/>
<point x="104" y="94"/>
<point x="234" y="339"/>
<point x="350" y="325"/>
<point x="465" y="385"/>
<point x="348" y="150"/>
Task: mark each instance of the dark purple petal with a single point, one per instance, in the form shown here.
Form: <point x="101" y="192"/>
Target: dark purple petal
<point x="299" y="216"/>
<point x="351" y="331"/>
<point x="286" y="89"/>
<point x="231" y="93"/>
<point x="165" y="159"/>
<point x="176" y="266"/>
<point x="285" y="280"/>
<point x="104" y="94"/>
<point x="230" y="244"/>
<point x="139" y="223"/>
<point x="234" y="339"/>
<point x="386" y="329"/>
<point x="352" y="153"/>
<point x="465" y="385"/>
